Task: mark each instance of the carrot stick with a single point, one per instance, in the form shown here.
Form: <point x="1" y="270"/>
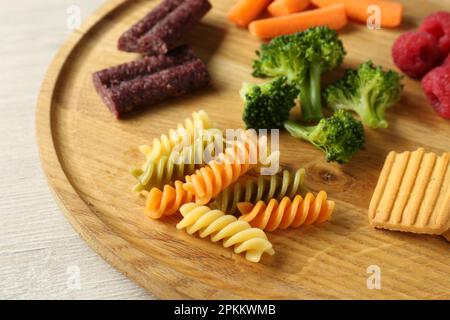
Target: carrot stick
<point x="245" y="11"/>
<point x="332" y="16"/>
<point x="284" y="7"/>
<point x="390" y="12"/>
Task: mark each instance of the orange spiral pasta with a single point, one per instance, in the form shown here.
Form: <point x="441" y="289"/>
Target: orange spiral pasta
<point x="236" y="160"/>
<point x="168" y="201"/>
<point x="287" y="213"/>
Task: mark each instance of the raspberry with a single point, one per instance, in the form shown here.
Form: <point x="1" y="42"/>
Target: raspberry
<point x="438" y="25"/>
<point x="436" y="85"/>
<point x="416" y="53"/>
<point x="446" y="61"/>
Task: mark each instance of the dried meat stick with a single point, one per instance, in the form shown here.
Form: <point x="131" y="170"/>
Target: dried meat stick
<point x="142" y="67"/>
<point x="160" y="30"/>
<point x="128" y="41"/>
<point x="147" y="90"/>
<point x="169" y="83"/>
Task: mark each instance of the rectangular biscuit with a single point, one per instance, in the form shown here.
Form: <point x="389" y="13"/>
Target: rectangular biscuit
<point x="413" y="193"/>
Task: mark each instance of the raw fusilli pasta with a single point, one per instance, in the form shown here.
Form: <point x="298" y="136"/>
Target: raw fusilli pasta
<point x="263" y="188"/>
<point x="183" y="135"/>
<point x="168" y="201"/>
<point x="219" y="226"/>
<point x="287" y="213"/>
<point x="210" y="180"/>
<point x="186" y="134"/>
<point x="183" y="160"/>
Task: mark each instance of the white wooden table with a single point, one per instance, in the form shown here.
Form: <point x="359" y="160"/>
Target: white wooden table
<point x="41" y="256"/>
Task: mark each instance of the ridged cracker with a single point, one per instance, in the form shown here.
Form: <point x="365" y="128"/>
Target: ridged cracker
<point x="413" y="193"/>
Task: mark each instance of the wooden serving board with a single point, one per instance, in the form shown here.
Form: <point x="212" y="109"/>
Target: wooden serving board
<point x="86" y="155"/>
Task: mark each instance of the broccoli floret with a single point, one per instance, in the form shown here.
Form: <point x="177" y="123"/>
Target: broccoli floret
<point x="339" y="136"/>
<point x="280" y="57"/>
<point x="302" y="57"/>
<point x="267" y="106"/>
<point x="368" y="91"/>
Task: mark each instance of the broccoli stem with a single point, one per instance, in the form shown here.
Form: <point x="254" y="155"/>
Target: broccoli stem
<point x="310" y="95"/>
<point x="367" y="114"/>
<point x="305" y="100"/>
<point x="298" y="131"/>
<point x="316" y="96"/>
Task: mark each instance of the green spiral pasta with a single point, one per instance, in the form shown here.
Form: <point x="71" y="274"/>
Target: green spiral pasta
<point x="263" y="188"/>
<point x="183" y="160"/>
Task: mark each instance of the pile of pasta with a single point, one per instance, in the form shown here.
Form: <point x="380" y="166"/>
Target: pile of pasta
<point x="221" y="195"/>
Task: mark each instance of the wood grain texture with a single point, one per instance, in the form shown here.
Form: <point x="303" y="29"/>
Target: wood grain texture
<point x="37" y="244"/>
<point x="86" y="155"/>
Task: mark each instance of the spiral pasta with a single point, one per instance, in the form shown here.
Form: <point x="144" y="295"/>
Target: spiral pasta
<point x="186" y="134"/>
<point x="287" y="213"/>
<point x="183" y="160"/>
<point x="263" y="188"/>
<point x="168" y="201"/>
<point x="210" y="180"/>
<point x="220" y="226"/>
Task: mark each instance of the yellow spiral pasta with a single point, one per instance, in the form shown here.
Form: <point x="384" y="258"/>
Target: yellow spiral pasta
<point x="220" y="226"/>
<point x="263" y="188"/>
<point x="210" y="180"/>
<point x="185" y="134"/>
<point x="287" y="213"/>
<point x="183" y="160"/>
<point x="168" y="201"/>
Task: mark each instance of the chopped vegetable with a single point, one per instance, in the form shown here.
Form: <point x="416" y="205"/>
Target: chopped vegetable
<point x="340" y="136"/>
<point x="390" y="12"/>
<point x="284" y="7"/>
<point x="283" y="56"/>
<point x="368" y="91"/>
<point x="267" y="106"/>
<point x="302" y="58"/>
<point x="245" y="11"/>
<point x="333" y="17"/>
